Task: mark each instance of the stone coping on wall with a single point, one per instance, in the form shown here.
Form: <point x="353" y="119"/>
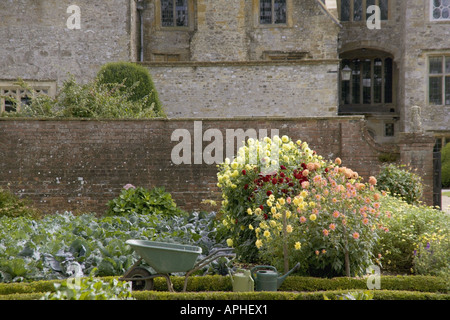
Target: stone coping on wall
<point x="259" y="118"/>
<point x="238" y="63"/>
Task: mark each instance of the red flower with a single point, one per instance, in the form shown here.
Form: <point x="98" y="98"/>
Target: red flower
<point x="244" y="172"/>
<point x="283" y="167"/>
<point x="268" y="194"/>
<point x="266" y="216"/>
<point x="274" y="181"/>
<point x="261" y="207"/>
<point x="246" y="187"/>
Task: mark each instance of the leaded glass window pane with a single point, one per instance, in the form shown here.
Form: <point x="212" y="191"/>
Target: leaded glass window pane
<point x="384" y="7"/>
<point x="345" y="10"/>
<point x="167" y="13"/>
<point x="280" y="11"/>
<point x="435" y="90"/>
<point x="358" y="10"/>
<point x="435" y="65"/>
<point x="265" y="11"/>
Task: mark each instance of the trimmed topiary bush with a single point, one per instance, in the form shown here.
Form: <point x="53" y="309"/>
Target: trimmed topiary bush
<point x="134" y="76"/>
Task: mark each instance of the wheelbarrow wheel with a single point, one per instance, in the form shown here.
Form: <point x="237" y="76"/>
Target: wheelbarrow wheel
<point x="136" y="274"/>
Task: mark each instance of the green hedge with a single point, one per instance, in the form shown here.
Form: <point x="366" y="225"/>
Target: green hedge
<point x="293" y="288"/>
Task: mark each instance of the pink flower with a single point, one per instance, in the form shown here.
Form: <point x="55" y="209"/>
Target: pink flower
<point x="302" y="219"/>
<point x="305" y="184"/>
<point x="372" y="180"/>
<point x="129" y="186"/>
<point x="355" y="235"/>
<point x="325" y="232"/>
<point x="332" y="226"/>
<point x="336" y="214"/>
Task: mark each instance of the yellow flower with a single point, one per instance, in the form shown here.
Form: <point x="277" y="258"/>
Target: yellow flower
<point x="272" y="197"/>
<point x="281" y="201"/>
<point x="269" y="203"/>
<point x="285" y="139"/>
<point x="312" y="217"/>
<point x="249" y="211"/>
<point x="298" y="245"/>
<point x="273" y="223"/>
<point x="250" y="227"/>
<point x="230" y="242"/>
<point x="273" y="210"/>
<point x="267" y="234"/>
<point x="258" y="243"/>
<point x="258" y="211"/>
<point x="234" y="165"/>
<point x="288" y="228"/>
<point x="288" y="214"/>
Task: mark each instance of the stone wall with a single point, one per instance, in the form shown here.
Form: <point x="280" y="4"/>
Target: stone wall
<point x="79" y="165"/>
<point x="296" y="89"/>
<point x="38" y="45"/>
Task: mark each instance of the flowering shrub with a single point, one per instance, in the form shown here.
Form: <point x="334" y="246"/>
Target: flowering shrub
<point x="401" y="182"/>
<point x="311" y="211"/>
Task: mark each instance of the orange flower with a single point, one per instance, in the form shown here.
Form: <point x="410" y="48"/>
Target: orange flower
<point x="338" y="161"/>
<point x="325" y="232"/>
<point x="372" y="180"/>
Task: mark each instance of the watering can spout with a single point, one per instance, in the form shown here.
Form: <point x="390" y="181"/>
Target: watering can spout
<point x="282" y="278"/>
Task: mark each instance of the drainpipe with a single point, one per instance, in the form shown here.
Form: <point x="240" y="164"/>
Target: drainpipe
<point x="140" y="6"/>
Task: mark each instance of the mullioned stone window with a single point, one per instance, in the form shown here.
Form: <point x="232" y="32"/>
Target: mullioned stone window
<point x="174" y="13"/>
<point x="356" y="10"/>
<point x="440" y="10"/>
<point x="13" y="96"/>
<point x="272" y="12"/>
<point x="369" y="85"/>
<point x="439" y="80"/>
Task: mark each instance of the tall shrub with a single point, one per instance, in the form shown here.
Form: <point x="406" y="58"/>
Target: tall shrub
<point x="445" y="166"/>
<point x="400" y="182"/>
<point x="131" y="76"/>
<point x="309" y="210"/>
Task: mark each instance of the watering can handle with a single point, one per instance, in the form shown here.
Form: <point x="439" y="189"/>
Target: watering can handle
<point x="253" y="270"/>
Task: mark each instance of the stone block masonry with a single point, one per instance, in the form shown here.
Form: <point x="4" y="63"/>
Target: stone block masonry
<point x="247" y="89"/>
<point x="79" y="165"/>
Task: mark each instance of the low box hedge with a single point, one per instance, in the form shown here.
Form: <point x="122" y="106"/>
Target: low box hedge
<point x="293" y="288"/>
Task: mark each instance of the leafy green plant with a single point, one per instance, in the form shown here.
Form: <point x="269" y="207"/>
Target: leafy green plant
<point x="399" y="181"/>
<point x="90" y="100"/>
<point x="131" y="75"/>
<point x="410" y="226"/>
<point x="90" y="289"/>
<point x="445" y="166"/>
<point x="13" y="206"/>
<point x="143" y="201"/>
<point x="308" y="210"/>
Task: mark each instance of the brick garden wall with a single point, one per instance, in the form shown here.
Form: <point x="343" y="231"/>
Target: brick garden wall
<point x="79" y="165"/>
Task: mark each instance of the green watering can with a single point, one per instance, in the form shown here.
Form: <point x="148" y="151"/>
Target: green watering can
<point x="242" y="281"/>
<point x="268" y="279"/>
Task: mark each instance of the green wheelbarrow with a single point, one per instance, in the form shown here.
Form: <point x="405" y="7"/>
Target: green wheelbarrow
<point x="166" y="258"/>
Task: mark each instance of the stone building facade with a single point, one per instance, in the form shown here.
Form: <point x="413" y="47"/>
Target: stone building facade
<point x="228" y="58"/>
<point x="250" y="58"/>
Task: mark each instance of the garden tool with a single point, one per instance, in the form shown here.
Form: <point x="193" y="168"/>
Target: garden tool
<point x="268" y="279"/>
<point x="242" y="281"/>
